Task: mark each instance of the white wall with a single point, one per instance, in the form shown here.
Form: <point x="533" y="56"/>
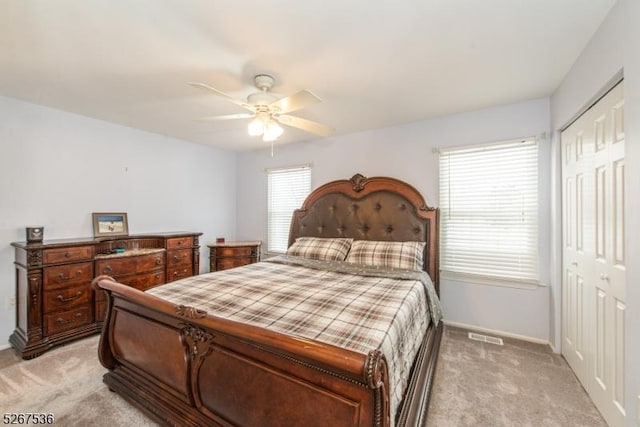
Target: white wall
<point x="405" y="152"/>
<point x="614" y="47"/>
<point x="56" y="168"/>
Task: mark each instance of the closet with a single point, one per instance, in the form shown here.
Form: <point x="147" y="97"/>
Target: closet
<point x="593" y="264"/>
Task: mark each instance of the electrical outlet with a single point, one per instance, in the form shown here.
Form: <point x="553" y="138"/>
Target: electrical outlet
<point x="11" y="302"/>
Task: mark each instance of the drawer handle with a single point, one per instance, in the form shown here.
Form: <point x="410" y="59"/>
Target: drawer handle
<point x="177" y="258"/>
<point x="61" y="321"/>
<point x="179" y="242"/>
<point x="67" y="254"/>
<point x="177" y="273"/>
<point x="158" y="261"/>
<point x="61" y="276"/>
<point x="107" y="270"/>
<point x="71" y="298"/>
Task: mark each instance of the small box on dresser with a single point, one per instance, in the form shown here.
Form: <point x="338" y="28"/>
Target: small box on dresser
<point x="223" y="256"/>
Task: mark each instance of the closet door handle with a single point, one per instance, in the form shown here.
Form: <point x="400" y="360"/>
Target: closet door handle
<point x="574" y="263"/>
<point x="605" y="277"/>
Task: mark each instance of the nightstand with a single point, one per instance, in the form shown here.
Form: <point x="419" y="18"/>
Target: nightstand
<point x="223" y="256"/>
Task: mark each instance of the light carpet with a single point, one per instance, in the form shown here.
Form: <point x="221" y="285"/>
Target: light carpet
<point x="519" y="384"/>
<point x="476" y="384"/>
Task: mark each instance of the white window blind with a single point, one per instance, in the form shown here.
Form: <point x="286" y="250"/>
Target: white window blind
<point x="489" y="211"/>
<point x="287" y="189"/>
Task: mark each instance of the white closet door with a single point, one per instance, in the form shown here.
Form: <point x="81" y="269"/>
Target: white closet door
<point x="593" y="287"/>
<point x="578" y="237"/>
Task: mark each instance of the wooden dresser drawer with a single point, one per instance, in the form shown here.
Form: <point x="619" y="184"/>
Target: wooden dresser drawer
<point x="179" y="272"/>
<point x="65" y="320"/>
<point x="179" y="257"/>
<point x="62" y="275"/>
<point x="179" y="242"/>
<point x="130" y="264"/>
<point x="78" y="253"/>
<point x="143" y="281"/>
<point x="66" y="297"/>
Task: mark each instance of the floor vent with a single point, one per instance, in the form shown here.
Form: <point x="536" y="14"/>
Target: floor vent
<point x="485" y="338"/>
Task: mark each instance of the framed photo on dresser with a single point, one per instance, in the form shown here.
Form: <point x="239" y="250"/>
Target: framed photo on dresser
<point x="110" y="224"/>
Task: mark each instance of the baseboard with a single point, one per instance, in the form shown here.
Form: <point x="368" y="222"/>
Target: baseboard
<point x="497" y="332"/>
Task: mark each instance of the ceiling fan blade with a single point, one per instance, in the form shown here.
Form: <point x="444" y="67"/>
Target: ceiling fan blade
<point x="222" y="94"/>
<point x="227" y="117"/>
<point x="295" y="102"/>
<point x="306" y="125"/>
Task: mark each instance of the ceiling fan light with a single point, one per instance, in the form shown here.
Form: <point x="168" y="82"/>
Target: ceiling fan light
<point x="272" y="131"/>
<point x="256" y="127"/>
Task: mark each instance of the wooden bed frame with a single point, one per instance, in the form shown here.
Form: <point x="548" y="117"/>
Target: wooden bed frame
<point x="183" y="366"/>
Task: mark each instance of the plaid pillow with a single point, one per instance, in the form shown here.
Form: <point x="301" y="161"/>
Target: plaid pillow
<point x="320" y="248"/>
<point x="406" y="255"/>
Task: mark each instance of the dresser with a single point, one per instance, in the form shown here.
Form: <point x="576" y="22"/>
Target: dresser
<point x="227" y="255"/>
<point x="55" y="302"/>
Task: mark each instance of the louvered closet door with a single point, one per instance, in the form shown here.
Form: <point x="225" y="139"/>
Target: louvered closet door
<point x="593" y="288"/>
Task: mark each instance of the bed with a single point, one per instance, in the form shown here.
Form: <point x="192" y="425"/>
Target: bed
<point x="172" y="357"/>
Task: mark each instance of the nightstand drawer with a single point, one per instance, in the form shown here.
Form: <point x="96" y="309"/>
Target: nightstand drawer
<point x="55" y="256"/>
<point x="55" y="277"/>
<point x="239" y="251"/>
<point x="233" y="254"/>
<point x="226" y="263"/>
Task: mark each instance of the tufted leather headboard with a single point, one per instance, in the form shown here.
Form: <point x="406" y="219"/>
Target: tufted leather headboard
<point x="377" y="208"/>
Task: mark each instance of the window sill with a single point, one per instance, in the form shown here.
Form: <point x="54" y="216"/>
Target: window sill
<point x="491" y="280"/>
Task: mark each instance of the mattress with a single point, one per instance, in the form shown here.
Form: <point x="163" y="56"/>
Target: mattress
<point x="350" y="306"/>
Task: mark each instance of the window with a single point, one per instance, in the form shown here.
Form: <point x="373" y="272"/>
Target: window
<point x="287" y="189"/>
<point x="489" y="212"/>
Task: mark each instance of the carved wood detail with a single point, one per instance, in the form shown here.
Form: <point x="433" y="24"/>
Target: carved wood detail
<point x="34" y="258"/>
<point x="34" y="288"/>
<point x="357" y="182"/>
<point x="197" y="341"/>
<point x="190" y="312"/>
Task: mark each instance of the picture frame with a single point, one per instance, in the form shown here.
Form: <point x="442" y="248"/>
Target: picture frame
<point x="107" y="224"/>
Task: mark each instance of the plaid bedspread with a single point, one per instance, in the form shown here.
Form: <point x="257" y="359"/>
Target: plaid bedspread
<point x="360" y="309"/>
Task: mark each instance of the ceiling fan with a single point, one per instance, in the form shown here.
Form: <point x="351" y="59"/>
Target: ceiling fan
<point x="268" y="112"/>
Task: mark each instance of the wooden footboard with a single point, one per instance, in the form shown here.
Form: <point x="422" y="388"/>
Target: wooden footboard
<point x="185" y="367"/>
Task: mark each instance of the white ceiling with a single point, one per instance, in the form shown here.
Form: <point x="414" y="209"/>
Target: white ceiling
<point x="375" y="63"/>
